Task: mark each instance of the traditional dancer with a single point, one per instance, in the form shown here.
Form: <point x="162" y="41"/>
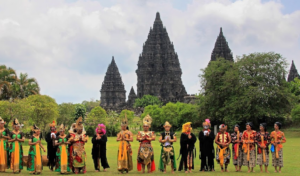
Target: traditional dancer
<point x="124" y="153"/>
<point x="62" y="153"/>
<point x="99" y="148"/>
<point x="167" y="156"/>
<point x="4" y="154"/>
<point x="187" y="146"/>
<point x="34" y="163"/>
<point x="16" y="149"/>
<point x="223" y="151"/>
<point x="277" y="139"/>
<point x="78" y="140"/>
<point x="262" y="141"/>
<point x="207" y="151"/>
<point x="248" y="138"/>
<point x="145" y="155"/>
<point x="237" y="150"/>
<point x="51" y="147"/>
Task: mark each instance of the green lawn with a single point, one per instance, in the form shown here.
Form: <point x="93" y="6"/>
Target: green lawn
<point x="291" y="159"/>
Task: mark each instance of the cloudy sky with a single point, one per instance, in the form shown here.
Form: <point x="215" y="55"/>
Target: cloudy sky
<point x="67" y="45"/>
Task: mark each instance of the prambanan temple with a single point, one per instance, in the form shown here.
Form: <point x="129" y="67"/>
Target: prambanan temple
<point x="158" y="71"/>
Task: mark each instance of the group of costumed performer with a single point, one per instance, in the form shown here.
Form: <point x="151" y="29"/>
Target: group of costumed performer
<point x="167" y="156"/>
<point x="187" y="148"/>
<point x="77" y="154"/>
<point x="51" y="147"/>
<point x="207" y="151"/>
<point x="99" y="148"/>
<point x="62" y="164"/>
<point x="4" y="148"/>
<point x="124" y="153"/>
<point x="145" y="155"/>
<point x="34" y="163"/>
<point x="223" y="140"/>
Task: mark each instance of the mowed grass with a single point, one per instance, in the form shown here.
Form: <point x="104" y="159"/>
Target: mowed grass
<point x="291" y="159"/>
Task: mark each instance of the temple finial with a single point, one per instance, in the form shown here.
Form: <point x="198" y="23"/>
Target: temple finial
<point x="157" y="18"/>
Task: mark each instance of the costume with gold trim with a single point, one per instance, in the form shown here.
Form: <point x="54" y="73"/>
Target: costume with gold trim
<point x="4" y="148"/>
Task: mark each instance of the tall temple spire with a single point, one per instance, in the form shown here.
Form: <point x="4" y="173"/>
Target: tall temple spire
<point x="221" y="48"/>
<point x="131" y="97"/>
<point x="113" y="94"/>
<point x="159" y="71"/>
<point x="293" y="73"/>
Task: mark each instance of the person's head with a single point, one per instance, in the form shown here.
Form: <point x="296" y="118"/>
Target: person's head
<point x="16" y="125"/>
<point x="79" y="131"/>
<point x="123" y="127"/>
<point x="277" y="126"/>
<point x="2" y="123"/>
<point x="101" y="129"/>
<point x="222" y="128"/>
<point x="146" y="127"/>
<point x="53" y="129"/>
<point x="36" y="130"/>
<point x="225" y="128"/>
<point x="236" y="128"/>
<point x="187" y="127"/>
<point x="206" y="125"/>
<point x="52" y="126"/>
<point x="263" y="127"/>
<point x="249" y="126"/>
<point x="62" y="129"/>
<point x="167" y="126"/>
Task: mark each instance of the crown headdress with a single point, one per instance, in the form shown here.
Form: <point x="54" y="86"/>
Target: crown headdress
<point x="16" y="122"/>
<point x="207" y="122"/>
<point x="124" y="121"/>
<point x="62" y="127"/>
<point x="1" y="120"/>
<point x="167" y="124"/>
<point x="79" y="123"/>
<point x="35" y="128"/>
<point x="52" y="124"/>
<point x="147" y="120"/>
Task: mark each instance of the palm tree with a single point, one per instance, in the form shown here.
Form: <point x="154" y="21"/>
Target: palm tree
<point x="27" y="86"/>
<point x="7" y="77"/>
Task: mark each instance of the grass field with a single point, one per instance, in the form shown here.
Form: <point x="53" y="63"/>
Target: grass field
<point x="291" y="159"/>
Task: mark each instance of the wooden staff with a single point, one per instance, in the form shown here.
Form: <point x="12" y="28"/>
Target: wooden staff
<point x="248" y="154"/>
<point x="263" y="150"/>
<point x="238" y="144"/>
<point x="277" y="156"/>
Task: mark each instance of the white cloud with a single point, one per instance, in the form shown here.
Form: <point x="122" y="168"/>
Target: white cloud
<point x="68" y="46"/>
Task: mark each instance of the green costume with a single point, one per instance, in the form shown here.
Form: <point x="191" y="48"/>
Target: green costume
<point x="62" y="156"/>
<point x="167" y="156"/>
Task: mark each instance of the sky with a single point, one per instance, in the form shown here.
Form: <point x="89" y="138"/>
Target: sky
<point x="67" y="45"/>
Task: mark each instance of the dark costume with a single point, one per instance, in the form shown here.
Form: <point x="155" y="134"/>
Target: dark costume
<point x="51" y="150"/>
<point x="187" y="147"/>
<point x="207" y="153"/>
<point x="99" y="152"/>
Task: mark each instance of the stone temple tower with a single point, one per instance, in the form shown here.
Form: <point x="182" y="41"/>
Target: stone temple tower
<point x="221" y="48"/>
<point x="113" y="94"/>
<point x="159" y="71"/>
<point x="293" y="73"/>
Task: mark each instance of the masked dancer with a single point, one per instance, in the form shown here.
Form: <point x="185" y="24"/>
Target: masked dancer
<point x="51" y="147"/>
<point x="62" y="153"/>
<point x="206" y="142"/>
<point x="167" y="156"/>
<point x="277" y="139"/>
<point x="124" y="153"/>
<point x="4" y="148"/>
<point x="34" y="163"/>
<point x="249" y="136"/>
<point x="99" y="148"/>
<point x="145" y="155"/>
<point x="187" y="148"/>
<point x="237" y="150"/>
<point x="78" y="139"/>
<point x="223" y="140"/>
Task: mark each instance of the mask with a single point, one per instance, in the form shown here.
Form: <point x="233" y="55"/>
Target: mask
<point x="206" y="127"/>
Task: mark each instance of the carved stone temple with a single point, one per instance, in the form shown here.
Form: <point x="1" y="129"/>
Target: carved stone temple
<point x="293" y="73"/>
<point x="131" y="98"/>
<point x="113" y="93"/>
<point x="159" y="71"/>
<point x="221" y="48"/>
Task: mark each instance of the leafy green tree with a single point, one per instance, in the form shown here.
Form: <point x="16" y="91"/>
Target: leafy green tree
<point x="66" y="114"/>
<point x="7" y="77"/>
<point x="147" y="100"/>
<point x="89" y="105"/>
<point x="80" y="111"/>
<point x="295" y="88"/>
<point x="155" y="112"/>
<point x="96" y="116"/>
<point x="113" y="123"/>
<point x="45" y="110"/>
<point x="129" y="114"/>
<point x="296" y="113"/>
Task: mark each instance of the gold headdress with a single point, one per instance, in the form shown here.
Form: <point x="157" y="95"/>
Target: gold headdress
<point x="1" y="120"/>
<point x="167" y="124"/>
<point x="79" y="123"/>
<point x="35" y="128"/>
<point x="62" y="127"/>
<point x="186" y="126"/>
<point x="124" y="121"/>
<point x="52" y="124"/>
<point x="16" y="122"/>
<point x="147" y="121"/>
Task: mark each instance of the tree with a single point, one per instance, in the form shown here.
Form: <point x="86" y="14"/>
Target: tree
<point x="80" y="111"/>
<point x="147" y="100"/>
<point x="295" y="88"/>
<point x="129" y="114"/>
<point x="112" y="123"/>
<point x="27" y="86"/>
<point x="45" y="110"/>
<point x="66" y="114"/>
<point x="89" y="105"/>
<point x="296" y="113"/>
<point x="96" y="116"/>
<point x="7" y="77"/>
